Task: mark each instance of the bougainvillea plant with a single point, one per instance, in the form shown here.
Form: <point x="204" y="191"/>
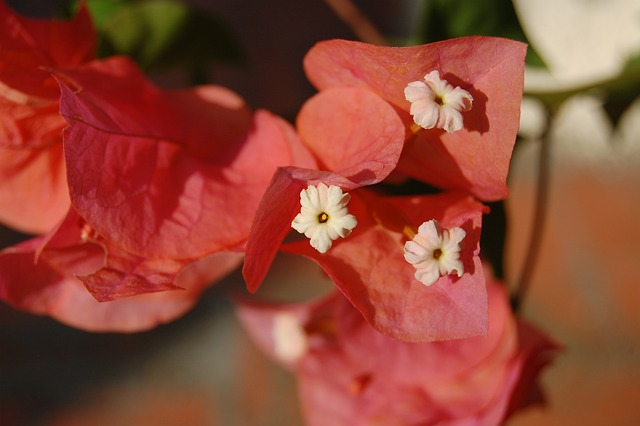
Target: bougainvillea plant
<point x="140" y="197"/>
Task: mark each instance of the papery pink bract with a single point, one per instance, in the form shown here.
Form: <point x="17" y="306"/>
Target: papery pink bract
<point x="351" y="132"/>
<point x="31" y="46"/>
<point x="45" y="276"/>
<point x="370" y="269"/>
<point x="336" y="126"/>
<point x="352" y="375"/>
<point x="167" y="174"/>
<point x="33" y="194"/>
<point x="47" y="291"/>
<point x="164" y="185"/>
<point x="475" y="158"/>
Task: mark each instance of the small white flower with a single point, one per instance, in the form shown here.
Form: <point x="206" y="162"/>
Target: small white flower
<point x="435" y="252"/>
<point x="289" y="337"/>
<point x="324" y="216"/>
<point x="436" y="103"/>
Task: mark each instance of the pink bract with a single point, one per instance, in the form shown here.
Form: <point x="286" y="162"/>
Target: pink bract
<point x="32" y="47"/>
<point x="41" y="276"/>
<point x="352" y="375"/>
<point x="33" y="194"/>
<point x="168" y="174"/>
<point x="370" y="270"/>
<point x="164" y="185"/>
<point x="474" y="159"/>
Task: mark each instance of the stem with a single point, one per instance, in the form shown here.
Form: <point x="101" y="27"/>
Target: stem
<point x="539" y="219"/>
<point x="361" y="26"/>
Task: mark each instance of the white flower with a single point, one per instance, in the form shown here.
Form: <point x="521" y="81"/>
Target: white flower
<point x="324" y="216"/>
<point x="289" y="337"/>
<point x="435" y="252"/>
<point x="436" y="103"/>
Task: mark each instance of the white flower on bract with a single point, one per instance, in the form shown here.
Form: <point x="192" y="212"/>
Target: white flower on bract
<point x="436" y="103"/>
<point x="289" y="337"/>
<point x="435" y="252"/>
<point x="324" y="215"/>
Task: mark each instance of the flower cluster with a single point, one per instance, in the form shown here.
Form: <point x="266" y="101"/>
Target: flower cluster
<point x="155" y="194"/>
<point x="361" y="127"/>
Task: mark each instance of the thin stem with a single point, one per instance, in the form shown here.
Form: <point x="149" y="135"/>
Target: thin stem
<point x="539" y="219"/>
<point x="361" y="26"/>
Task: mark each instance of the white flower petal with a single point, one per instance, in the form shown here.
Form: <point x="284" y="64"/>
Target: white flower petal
<point x="454" y="238"/>
<point x="416" y="91"/>
<point x="450" y="119"/>
<point x="428" y="275"/>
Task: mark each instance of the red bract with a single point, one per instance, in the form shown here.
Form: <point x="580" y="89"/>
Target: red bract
<point x="164" y="185"/>
<point x="370" y="269"/>
<point x="164" y="177"/>
<point x="34" y="194"/>
<point x="353" y="150"/>
<point x="45" y="275"/>
<point x="474" y="159"/>
<point x="348" y="374"/>
<point x="177" y="174"/>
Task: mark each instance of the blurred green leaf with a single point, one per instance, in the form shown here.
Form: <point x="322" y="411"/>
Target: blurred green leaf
<point x="633" y="63"/>
<point x="144" y="30"/>
<point x="204" y="39"/>
<point x="445" y="19"/>
<point x="101" y="10"/>
<point x="161" y="34"/>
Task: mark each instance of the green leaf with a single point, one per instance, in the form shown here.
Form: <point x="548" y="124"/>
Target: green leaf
<point x="160" y="34"/>
<point x="143" y="30"/>
<point x="203" y="40"/>
<point x="102" y="10"/>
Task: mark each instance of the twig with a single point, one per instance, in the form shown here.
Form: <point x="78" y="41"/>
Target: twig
<point x="361" y="26"/>
<point x="539" y="219"/>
